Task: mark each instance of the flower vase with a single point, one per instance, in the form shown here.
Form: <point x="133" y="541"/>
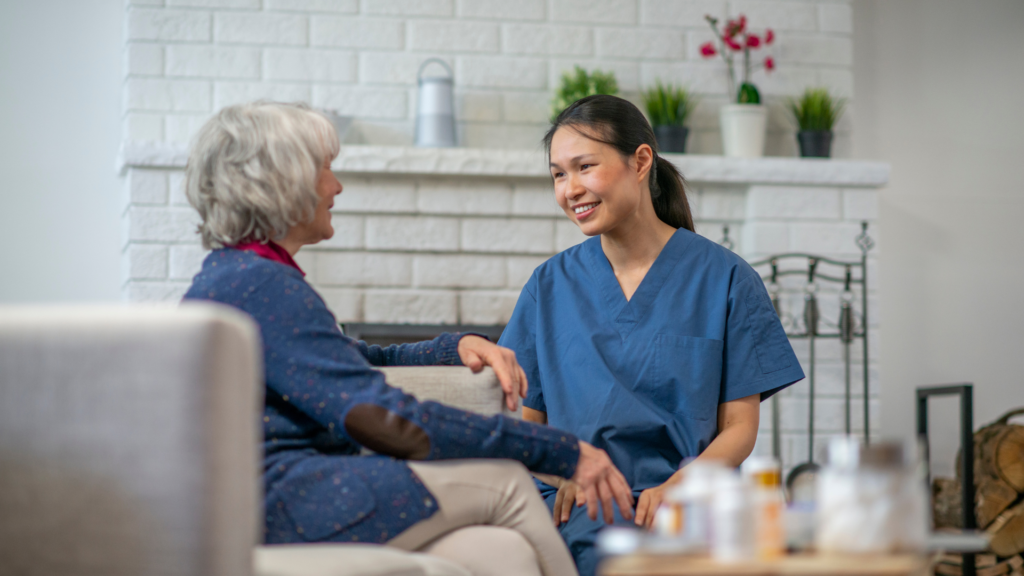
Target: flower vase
<point x="743" y="130"/>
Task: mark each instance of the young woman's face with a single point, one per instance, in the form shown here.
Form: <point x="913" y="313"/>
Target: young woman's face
<point x="596" y="187"/>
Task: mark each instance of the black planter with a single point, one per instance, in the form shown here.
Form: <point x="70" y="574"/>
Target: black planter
<point x="671" y="138"/>
<point x="815" y="143"/>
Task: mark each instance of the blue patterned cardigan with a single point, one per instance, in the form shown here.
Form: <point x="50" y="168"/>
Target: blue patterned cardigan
<point x="317" y="486"/>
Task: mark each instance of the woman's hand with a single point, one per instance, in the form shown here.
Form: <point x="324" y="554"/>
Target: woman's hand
<point x="477" y="352"/>
<point x="569" y="493"/>
<point x="602" y="483"/>
<point x="648" y="504"/>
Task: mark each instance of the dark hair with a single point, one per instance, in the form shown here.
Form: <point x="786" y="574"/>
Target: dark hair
<point x="619" y="124"/>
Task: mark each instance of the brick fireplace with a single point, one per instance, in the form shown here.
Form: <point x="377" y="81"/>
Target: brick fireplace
<point x="449" y="236"/>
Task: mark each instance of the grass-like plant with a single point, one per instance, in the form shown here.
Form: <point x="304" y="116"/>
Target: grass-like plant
<point x="817" y="109"/>
<point x="668" y="105"/>
<point x="578" y="84"/>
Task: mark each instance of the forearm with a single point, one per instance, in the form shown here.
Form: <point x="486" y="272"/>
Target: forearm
<point x="442" y="350"/>
<point x="732" y="445"/>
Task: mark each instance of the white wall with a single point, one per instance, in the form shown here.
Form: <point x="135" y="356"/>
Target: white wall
<point x="60" y="65"/>
<point x="189" y="58"/>
<point x="939" y="87"/>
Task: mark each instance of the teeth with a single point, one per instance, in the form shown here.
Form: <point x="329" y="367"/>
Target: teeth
<point x="584" y="208"/>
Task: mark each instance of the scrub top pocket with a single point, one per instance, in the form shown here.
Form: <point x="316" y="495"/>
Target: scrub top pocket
<point x="688" y="375"/>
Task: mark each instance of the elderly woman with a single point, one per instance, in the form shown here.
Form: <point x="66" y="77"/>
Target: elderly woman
<point x="446" y="481"/>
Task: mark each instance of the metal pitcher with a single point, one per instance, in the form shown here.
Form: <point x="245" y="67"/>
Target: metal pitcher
<point x="435" y="110"/>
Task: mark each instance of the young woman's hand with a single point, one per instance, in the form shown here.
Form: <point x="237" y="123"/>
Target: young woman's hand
<point x="602" y="483"/>
<point x="648" y="504"/>
<point x="569" y="493"/>
<point x="477" y="352"/>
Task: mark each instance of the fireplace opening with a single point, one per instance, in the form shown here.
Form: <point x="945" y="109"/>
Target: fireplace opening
<point x="388" y="334"/>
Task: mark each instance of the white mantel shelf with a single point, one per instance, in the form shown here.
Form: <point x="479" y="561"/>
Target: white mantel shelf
<point x="363" y="159"/>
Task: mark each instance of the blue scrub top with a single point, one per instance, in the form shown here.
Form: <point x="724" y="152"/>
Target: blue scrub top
<point x="643" y="378"/>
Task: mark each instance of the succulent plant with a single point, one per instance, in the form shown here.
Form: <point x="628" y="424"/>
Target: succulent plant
<point x="816" y="109"/>
<point x="578" y="84"/>
<point x="668" y="105"/>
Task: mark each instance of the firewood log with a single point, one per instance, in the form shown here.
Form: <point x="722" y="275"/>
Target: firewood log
<point x="1007" y="532"/>
<point x="994" y="496"/>
<point x="1007" y="456"/>
<point x="998" y="475"/>
<point x="999" y="451"/>
<point x="947" y="503"/>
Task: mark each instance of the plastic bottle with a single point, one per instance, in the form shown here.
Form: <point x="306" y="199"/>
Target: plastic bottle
<point x="685" y="513"/>
<point x="768" y="505"/>
<point x="732" y="527"/>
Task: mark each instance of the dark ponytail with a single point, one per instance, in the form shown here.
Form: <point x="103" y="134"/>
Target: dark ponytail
<point x="619" y="124"/>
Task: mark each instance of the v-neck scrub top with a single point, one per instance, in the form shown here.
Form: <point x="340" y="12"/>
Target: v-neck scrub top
<point x="642" y="378"/>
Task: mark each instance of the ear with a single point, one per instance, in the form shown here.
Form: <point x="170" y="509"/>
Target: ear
<point x="644" y="159"/>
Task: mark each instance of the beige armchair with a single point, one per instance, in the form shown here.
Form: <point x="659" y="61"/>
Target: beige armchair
<point x="129" y="445"/>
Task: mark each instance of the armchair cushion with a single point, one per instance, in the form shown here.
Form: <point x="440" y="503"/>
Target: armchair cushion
<point x="129" y="440"/>
<point x="456" y="386"/>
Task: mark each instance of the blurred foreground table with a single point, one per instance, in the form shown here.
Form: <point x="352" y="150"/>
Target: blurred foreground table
<point x="792" y="565"/>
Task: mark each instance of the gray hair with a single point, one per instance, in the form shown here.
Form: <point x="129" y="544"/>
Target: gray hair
<point x="253" y="169"/>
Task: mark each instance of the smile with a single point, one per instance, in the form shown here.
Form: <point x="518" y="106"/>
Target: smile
<point x="584" y="210"/>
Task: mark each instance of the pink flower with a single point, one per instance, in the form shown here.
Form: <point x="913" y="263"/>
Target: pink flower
<point x="707" y="49"/>
<point x="753" y="41"/>
<point x="732" y="44"/>
<point x="769" y="36"/>
<point x="735" y="27"/>
<point x="769" y="64"/>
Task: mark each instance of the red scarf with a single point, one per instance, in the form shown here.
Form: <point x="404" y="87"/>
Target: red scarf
<point x="271" y="251"/>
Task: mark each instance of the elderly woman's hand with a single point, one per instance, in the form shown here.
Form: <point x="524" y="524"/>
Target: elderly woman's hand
<point x="477" y="352"/>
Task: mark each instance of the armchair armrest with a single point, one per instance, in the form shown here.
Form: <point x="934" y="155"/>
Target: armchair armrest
<point x="129" y="440"/>
<point x="452" y="385"/>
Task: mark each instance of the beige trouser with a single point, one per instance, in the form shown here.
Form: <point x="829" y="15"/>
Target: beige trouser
<point x="490" y="519"/>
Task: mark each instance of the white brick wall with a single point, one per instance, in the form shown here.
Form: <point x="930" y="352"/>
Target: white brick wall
<point x="428" y="249"/>
<point x="458" y="249"/>
<point x="507" y="56"/>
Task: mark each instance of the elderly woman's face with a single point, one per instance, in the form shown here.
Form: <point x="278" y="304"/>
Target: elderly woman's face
<point x="327" y="187"/>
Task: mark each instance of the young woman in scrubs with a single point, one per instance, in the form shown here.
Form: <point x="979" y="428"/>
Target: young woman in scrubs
<point x="646" y="340"/>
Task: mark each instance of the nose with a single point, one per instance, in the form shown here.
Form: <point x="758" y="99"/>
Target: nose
<point x="573" y="187"/>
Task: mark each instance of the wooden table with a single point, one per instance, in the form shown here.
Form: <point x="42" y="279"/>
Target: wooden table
<point x="793" y="565"/>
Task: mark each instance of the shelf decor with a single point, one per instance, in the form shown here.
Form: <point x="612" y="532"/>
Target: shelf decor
<point x="816" y="112"/>
<point x="668" y="107"/>
<point x="743" y="123"/>
<point x="579" y="84"/>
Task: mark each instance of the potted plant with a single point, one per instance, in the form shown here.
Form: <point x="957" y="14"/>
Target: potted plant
<point x="578" y="84"/>
<point x="668" y="107"/>
<point x="743" y="123"/>
<point x="816" y="113"/>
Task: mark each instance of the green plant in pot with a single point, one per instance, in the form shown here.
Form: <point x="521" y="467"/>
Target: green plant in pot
<point x="668" y="108"/>
<point x="579" y="84"/>
<point x="816" y="113"/>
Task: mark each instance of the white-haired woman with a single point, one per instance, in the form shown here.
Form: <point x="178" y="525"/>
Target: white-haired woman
<point x="260" y="177"/>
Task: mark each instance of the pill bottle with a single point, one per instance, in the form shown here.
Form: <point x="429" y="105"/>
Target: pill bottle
<point x="767" y="505"/>
<point x="732" y="527"/>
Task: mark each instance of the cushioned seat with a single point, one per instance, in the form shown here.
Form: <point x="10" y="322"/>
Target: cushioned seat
<point x="348" y="560"/>
<point x="129" y="445"/>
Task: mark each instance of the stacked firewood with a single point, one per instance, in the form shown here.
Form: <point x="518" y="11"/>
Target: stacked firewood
<point x="985" y="565"/>
<point x="998" y="499"/>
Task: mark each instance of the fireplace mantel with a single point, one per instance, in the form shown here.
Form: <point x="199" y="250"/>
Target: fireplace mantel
<point x="484" y="162"/>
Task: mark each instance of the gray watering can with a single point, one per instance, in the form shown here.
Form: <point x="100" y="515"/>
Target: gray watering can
<point x="435" y="110"/>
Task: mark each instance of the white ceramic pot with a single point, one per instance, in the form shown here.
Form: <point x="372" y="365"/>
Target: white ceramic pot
<point x="743" y="129"/>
